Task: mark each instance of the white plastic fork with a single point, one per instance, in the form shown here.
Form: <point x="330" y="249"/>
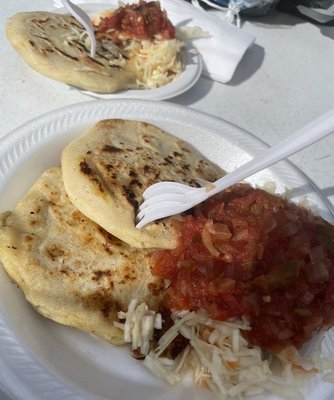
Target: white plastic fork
<point x="84" y="19"/>
<point x="164" y="199"/>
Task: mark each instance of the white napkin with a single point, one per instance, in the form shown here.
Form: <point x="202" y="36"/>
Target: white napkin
<point x="221" y="52"/>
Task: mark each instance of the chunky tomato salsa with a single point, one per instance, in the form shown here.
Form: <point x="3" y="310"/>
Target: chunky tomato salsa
<point x="245" y="252"/>
<point x="144" y="20"/>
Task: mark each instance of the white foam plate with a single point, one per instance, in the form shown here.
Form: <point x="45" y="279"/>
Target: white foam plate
<point x="43" y="360"/>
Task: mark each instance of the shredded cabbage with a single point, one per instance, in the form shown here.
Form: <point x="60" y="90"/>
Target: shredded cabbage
<point x="218" y="355"/>
<point x="139" y="325"/>
<point x="222" y="360"/>
<point x="157" y="62"/>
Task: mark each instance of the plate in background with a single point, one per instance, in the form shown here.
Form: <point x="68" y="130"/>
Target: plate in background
<point x="191" y="61"/>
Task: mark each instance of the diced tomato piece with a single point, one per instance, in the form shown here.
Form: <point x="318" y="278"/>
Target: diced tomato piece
<point x="163" y="265"/>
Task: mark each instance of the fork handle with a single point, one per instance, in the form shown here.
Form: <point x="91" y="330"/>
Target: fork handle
<point x="84" y="19"/>
<point x="304" y="137"/>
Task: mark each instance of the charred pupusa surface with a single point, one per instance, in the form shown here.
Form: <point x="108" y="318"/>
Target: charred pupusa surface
<point x="131" y="197"/>
<point x="55" y="252"/>
<point x="62" y="53"/>
<point x="136" y="182"/>
<point x="136" y="178"/>
<point x="194" y="183"/>
<point x="87" y="170"/>
<point x="100" y="300"/>
<point x="75" y="49"/>
<point x="129" y="274"/>
<point x="45" y="39"/>
<point x="91" y="61"/>
<point x="157" y="287"/>
<point x="147" y="169"/>
<point x="38" y="23"/>
<point x="111" y="149"/>
<point x="127" y="157"/>
<point x="99" y="275"/>
<point x="74" y="23"/>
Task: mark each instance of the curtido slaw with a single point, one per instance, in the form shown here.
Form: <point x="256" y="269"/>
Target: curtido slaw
<point x="217" y="355"/>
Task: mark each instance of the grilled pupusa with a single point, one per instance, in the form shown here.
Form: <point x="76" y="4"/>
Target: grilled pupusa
<point x="70" y="269"/>
<point x="106" y="170"/>
<point x="54" y="45"/>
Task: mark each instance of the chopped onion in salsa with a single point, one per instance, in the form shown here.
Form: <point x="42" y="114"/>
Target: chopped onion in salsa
<point x="248" y="253"/>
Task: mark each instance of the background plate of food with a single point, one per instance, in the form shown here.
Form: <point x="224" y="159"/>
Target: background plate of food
<point x="149" y="58"/>
<point x="41" y="358"/>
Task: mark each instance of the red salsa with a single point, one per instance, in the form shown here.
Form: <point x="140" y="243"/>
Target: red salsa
<point x="144" y="20"/>
<point x="248" y="253"/>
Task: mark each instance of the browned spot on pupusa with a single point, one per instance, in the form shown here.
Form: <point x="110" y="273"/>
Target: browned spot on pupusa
<point x="131" y="197"/>
<point x="77" y="217"/>
<point x="100" y="300"/>
<point x="90" y="61"/>
<point x="66" y="55"/>
<point x="129" y="274"/>
<point x="106" y="276"/>
<point x="97" y="275"/>
<point x="111" y="149"/>
<point x="136" y="182"/>
<point x="28" y="241"/>
<point x="157" y="287"/>
<point x="147" y="169"/>
<point x="54" y="252"/>
<point x="108" y="248"/>
<point x="86" y="169"/>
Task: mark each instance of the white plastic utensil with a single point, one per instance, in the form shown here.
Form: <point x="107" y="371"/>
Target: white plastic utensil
<point x="84" y="19"/>
<point x="164" y="199"/>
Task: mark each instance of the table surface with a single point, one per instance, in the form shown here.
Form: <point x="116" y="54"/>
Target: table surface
<point x="283" y="81"/>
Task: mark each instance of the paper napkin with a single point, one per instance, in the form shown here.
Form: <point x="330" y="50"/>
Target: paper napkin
<point x="221" y="51"/>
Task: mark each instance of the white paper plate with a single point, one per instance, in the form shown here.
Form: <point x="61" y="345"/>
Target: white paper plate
<point x="43" y="360"/>
<point x="191" y="60"/>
